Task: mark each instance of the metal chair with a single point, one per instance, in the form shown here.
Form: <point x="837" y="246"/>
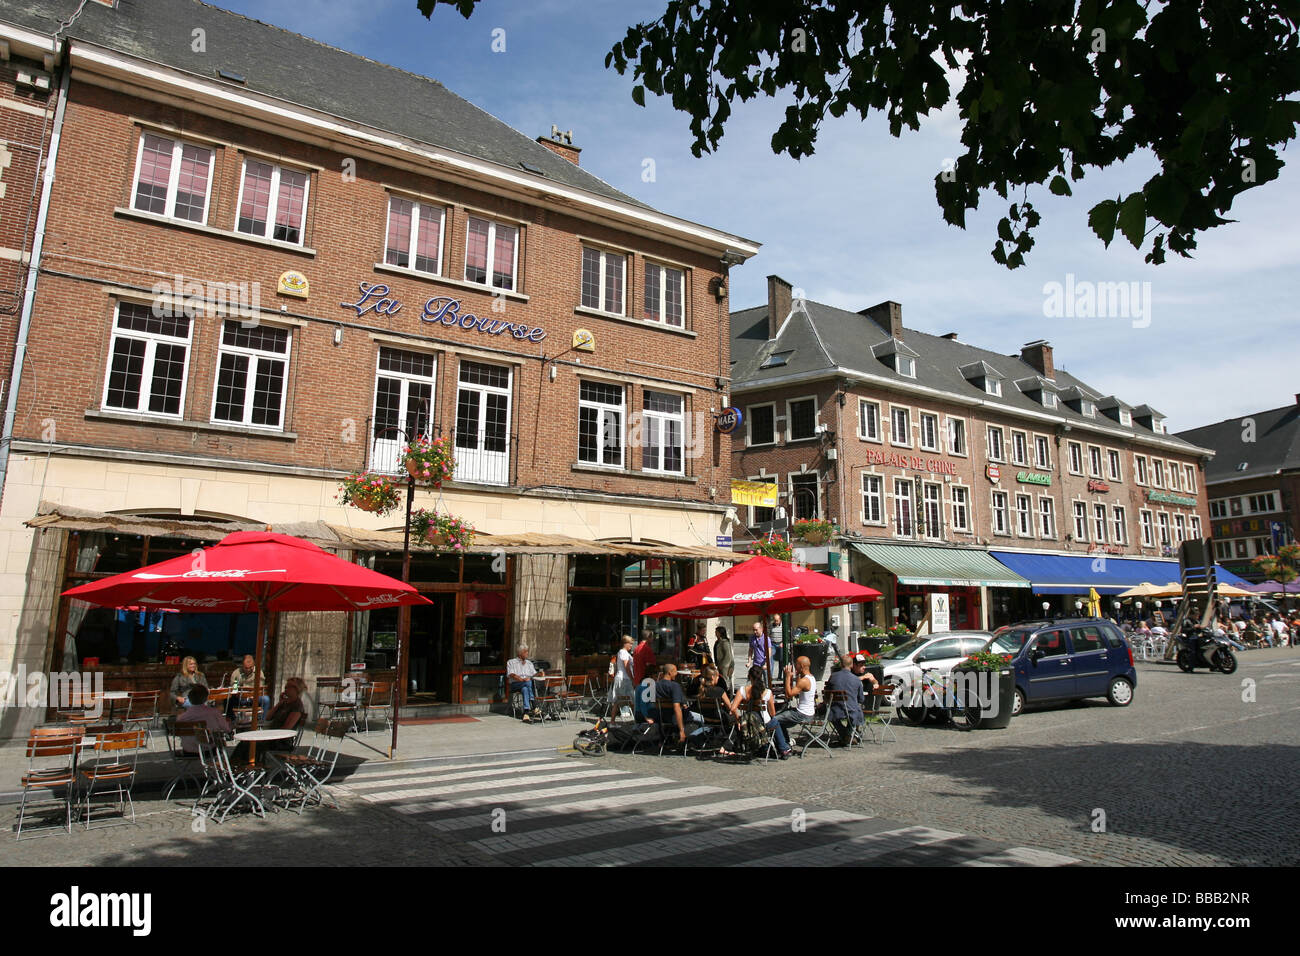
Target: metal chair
<point x="883" y="712"/>
<point x="841" y="698"/>
<point x="815" y="731"/>
<point x="141" y="712"/>
<point x="575" y="692"/>
<point x="307" y="773"/>
<point x="84" y="708"/>
<point x="234" y="783"/>
<point x="598" y="691"/>
<point x="666" y="720"/>
<point x="754" y="730"/>
<point x="379" y="697"/>
<point x="717" y="722"/>
<point x="51" y="766"/>
<point x="116" y="756"/>
<point x="551" y="700"/>
<point x="178" y="733"/>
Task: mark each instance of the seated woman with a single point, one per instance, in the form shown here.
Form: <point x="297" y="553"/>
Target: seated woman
<point x="189" y="676"/>
<point x="758" y="691"/>
<point x="288" y="714"/>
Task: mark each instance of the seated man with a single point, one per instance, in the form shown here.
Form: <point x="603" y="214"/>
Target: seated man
<point x="667" y="689"/>
<point x="847" y="714"/>
<point x="519" y="673"/>
<point x="199" y="711"/>
<point x="800" y="694"/>
<point x="242" y="678"/>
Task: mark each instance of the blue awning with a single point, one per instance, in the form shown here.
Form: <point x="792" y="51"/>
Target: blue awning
<point x="1075" y="574"/>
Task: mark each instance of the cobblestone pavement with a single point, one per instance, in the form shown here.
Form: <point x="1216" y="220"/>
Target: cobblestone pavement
<point x="1200" y="769"/>
<point x="1189" y="774"/>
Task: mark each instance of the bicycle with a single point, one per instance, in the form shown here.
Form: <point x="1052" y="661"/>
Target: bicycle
<point x="935" y="699"/>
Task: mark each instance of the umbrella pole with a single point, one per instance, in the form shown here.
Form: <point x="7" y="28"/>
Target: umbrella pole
<point x="403" y="619"/>
<point x="257" y="676"/>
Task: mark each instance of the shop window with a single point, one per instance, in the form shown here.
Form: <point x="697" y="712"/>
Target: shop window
<point x="603" y="285"/>
<point x="414" y="236"/>
<point x="403" y="403"/>
<point x="426" y="568"/>
<point x="589" y="571"/>
<point x="272" y="202"/>
<point x="651" y="573"/>
<point x="172" y="178"/>
<point x="148" y="361"/>
<point x="600" y="424"/>
<point x="484" y="568"/>
<point x="665" y="295"/>
<point x="252" y="371"/>
<point x="491" y="253"/>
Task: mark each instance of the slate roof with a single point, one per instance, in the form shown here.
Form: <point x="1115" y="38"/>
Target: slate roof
<point x="294" y="68"/>
<point x="1276" y="446"/>
<point x="822" y="338"/>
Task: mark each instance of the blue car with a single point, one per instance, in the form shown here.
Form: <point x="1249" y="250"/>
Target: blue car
<point x="1058" y="661"/>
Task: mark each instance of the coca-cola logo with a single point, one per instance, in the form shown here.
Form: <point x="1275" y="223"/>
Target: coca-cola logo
<point x="379" y="599"/>
<point x="184" y="601"/>
<point x="231" y="573"/>
<point x="752" y="595"/>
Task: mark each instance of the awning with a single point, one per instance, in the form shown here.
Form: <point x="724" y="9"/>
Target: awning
<point x="1075" y="574"/>
<point x="944" y="567"/>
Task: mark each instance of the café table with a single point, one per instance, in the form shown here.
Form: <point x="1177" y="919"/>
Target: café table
<point x="111" y="698"/>
<point x="237" y="790"/>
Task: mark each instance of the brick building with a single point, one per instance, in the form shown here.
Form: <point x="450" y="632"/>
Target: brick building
<point x="999" y="480"/>
<point x="1253" y="484"/>
<point x="264" y="262"/>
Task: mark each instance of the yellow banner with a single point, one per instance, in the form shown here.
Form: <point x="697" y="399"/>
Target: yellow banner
<point x="754" y="493"/>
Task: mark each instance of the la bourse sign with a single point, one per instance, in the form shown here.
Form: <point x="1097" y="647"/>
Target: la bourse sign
<point x="441" y="309"/>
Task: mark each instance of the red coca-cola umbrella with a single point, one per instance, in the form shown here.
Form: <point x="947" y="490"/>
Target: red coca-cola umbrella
<point x="252" y="571"/>
<point x="761" y="586"/>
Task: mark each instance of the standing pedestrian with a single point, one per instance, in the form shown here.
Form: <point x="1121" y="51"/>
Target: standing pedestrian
<point x="724" y="655"/>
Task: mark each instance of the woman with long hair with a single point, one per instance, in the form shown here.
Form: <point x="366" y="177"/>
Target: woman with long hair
<point x="758" y="691"/>
<point x="189" y="676"/>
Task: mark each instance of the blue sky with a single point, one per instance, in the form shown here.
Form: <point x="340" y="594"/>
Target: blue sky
<point x="857" y="222"/>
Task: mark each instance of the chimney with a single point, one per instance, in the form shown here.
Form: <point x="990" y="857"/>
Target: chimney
<point x="561" y="144"/>
<point x="889" y="316"/>
<point x="1038" y="354"/>
<point x="779" y="302"/>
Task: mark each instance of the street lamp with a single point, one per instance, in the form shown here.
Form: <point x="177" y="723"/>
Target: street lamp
<point x="1046" y="606"/>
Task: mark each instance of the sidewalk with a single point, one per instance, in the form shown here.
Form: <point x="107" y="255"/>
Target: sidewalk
<point x="484" y="738"/>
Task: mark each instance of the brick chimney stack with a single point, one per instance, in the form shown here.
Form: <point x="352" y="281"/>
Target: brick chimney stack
<point x="561" y="144"/>
<point x="889" y="316"/>
<point x="1038" y="354"/>
<point x="780" y="299"/>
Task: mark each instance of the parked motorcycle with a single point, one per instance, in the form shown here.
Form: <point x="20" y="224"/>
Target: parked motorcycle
<point x="1199" y="647"/>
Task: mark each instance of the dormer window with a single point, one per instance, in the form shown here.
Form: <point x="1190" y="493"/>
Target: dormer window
<point x="993" y="386"/>
<point x="983" y="376"/>
<point x="1158" y="426"/>
<point x="776" y="359"/>
<point x="1088" y="409"/>
<point x="1049" y="398"/>
<point x="904" y="365"/>
<point x="1125" y="418"/>
<point x="897" y="356"/>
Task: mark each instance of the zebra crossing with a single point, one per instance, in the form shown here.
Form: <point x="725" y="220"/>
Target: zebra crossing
<point x="548" y="810"/>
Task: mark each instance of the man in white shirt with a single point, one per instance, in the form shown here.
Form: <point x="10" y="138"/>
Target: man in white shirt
<point x="519" y="674"/>
<point x="1280" y="632"/>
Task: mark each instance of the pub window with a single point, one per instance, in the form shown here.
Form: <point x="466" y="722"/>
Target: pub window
<point x="252" y="369"/>
<point x="663" y="427"/>
<point x="272" y="202"/>
<point x="172" y="178"/>
<point x="491" y="253"/>
<point x="148" y="358"/>
<point x="762" y="425"/>
<point x="665" y="295"/>
<point x="600" y="424"/>
<point x="603" y="285"/>
<point x="803" y="418"/>
<point x="403" y="404"/>
<point x="414" y="236"/>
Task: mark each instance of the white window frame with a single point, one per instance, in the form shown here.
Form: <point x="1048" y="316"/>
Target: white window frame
<point x="1189" y="474"/>
<point x="993" y="386"/>
<point x="871" y="478"/>
<point x="893" y="430"/>
<point x="490" y="261"/>
<point x="416" y="208"/>
<point x="1180" y="527"/>
<point x="1000" y="513"/>
<point x="1020" y="452"/>
<point x="962" y="526"/>
<point x="1120" y="524"/>
<point x="396" y="441"/>
<point x="754" y="509"/>
<point x="1049" y="398"/>
<point x="601" y="408"/>
<point x="863" y="433"/>
<point x="1080" y="509"/>
<point x="749" y="425"/>
<point x="899" y="497"/>
<point x="1075" y="450"/>
<point x="1000" y="453"/>
<point x="1095" y="464"/>
<point x="1042" y="462"/>
<point x="902" y="362"/>
<point x="1194" y="523"/>
<point x="606" y="255"/>
<point x="934" y="503"/>
<point x="1024" y="515"/>
<point x="789" y="417"/>
<point x="152" y="340"/>
<point x="663" y="293"/>
<point x="1047" y="518"/>
<point x="663" y="419"/>
<point x="1099" y="522"/>
<point x="1147" y="522"/>
<point x="960" y="423"/>
<point x="255" y="358"/>
<point x="1141" y="474"/>
<point x="1157" y="472"/>
<point x="933" y="417"/>
<point x="273" y="202"/>
<point x="173" y="177"/>
<point x="1126" y="418"/>
<point x="1175" y="476"/>
<point x="474" y="463"/>
<point x="1164" y="529"/>
<point x="1087" y="409"/>
<point x="1115" y="461"/>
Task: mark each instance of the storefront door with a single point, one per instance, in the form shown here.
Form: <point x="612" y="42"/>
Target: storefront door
<point x="433" y="640"/>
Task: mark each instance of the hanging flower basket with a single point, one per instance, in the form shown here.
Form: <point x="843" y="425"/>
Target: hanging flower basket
<point x="770" y="546"/>
<point x="370" y="491"/>
<point x="430" y="461"/>
<point x="813" y="531"/>
<point x="441" y="532"/>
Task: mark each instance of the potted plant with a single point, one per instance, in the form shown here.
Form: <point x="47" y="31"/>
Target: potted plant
<point x="987" y="680"/>
<point x="814" y="648"/>
<point x="370" y="491"/>
<point x="430" y="461"/>
<point x="899" y="633"/>
<point x="871" y="639"/>
<point x="813" y="531"/>
<point x="770" y="546"/>
<point x="441" y="532"/>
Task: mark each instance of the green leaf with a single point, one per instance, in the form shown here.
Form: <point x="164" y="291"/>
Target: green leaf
<point x="1132" y="220"/>
<point x="1059" y="186"/>
<point x="1102" y="220"/>
<point x="1004" y="231"/>
<point x="638" y="95"/>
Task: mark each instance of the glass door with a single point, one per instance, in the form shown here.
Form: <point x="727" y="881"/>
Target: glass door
<point x="483" y="424"/>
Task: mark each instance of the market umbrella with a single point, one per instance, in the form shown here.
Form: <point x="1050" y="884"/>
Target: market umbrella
<point x="1147" y="590"/>
<point x="761" y="586"/>
<point x="252" y="571"/>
